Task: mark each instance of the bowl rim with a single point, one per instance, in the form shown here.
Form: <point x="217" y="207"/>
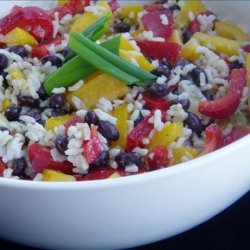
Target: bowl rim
<point x="127" y="180"/>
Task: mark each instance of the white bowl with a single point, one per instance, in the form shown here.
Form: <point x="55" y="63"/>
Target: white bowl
<point x="129" y="211"/>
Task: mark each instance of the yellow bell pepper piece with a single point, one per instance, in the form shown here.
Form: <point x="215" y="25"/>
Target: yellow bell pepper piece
<point x="20" y="37"/>
<point x="130" y="11"/>
<point x="53" y="122"/>
<point x="128" y="53"/>
<point x="121" y="113"/>
<point x="98" y="85"/>
<point x="179" y="153"/>
<point x="52" y="175"/>
<point x="218" y="44"/>
<point x="248" y="76"/>
<point x="60" y="2"/>
<point x="114" y="176"/>
<point x="167" y="135"/>
<point x="136" y="33"/>
<point x="5" y="104"/>
<point x="194" y="7"/>
<point x="138" y="57"/>
<point x="88" y="18"/>
<point x="231" y="31"/>
<point x="189" y="50"/>
<point x="176" y="37"/>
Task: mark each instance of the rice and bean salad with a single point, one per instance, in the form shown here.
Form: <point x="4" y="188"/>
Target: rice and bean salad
<point x="95" y="90"/>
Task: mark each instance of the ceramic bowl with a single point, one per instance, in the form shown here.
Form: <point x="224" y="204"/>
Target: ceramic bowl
<point x="129" y="211"/>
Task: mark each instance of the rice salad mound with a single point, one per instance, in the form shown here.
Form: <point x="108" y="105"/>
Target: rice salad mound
<point x="95" y="90"/>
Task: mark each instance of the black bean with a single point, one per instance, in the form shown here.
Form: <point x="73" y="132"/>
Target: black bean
<point x="57" y="112"/>
<point x="57" y="101"/>
<point x="55" y="60"/>
<point x="19" y="166"/>
<point x="19" y="50"/>
<point x="122" y="27"/>
<point x="175" y="7"/>
<point x="13" y="112"/>
<point x="5" y="82"/>
<point x="125" y="159"/>
<point x="186" y="35"/>
<point x="194" y="123"/>
<point x="108" y="130"/>
<point x="159" y="89"/>
<point x="61" y="143"/>
<point x="35" y="113"/>
<point x="162" y="70"/>
<point x="3" y="129"/>
<point x="182" y="63"/>
<point x="28" y="101"/>
<point x="208" y="95"/>
<point x="91" y="118"/>
<point x="164" y="62"/>
<point x="185" y="103"/>
<point x="195" y="74"/>
<point x="42" y="94"/>
<point x="3" y="62"/>
<point x="65" y="51"/>
<point x="102" y="160"/>
<point x="236" y="65"/>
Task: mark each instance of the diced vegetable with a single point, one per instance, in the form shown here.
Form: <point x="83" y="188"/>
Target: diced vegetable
<point x="20" y="37"/>
<point x="213" y="140"/>
<point x="72" y="122"/>
<point x="40" y="158"/>
<point x="230" y="31"/>
<point x="189" y="50"/>
<point x="93" y="147"/>
<point x="109" y="62"/>
<point x="70" y="7"/>
<point x="161" y="23"/>
<point x="218" y="44"/>
<point x="188" y="152"/>
<point x="53" y="122"/>
<point x="6" y="103"/>
<point x="99" y="173"/>
<point x="154" y="7"/>
<point x="140" y="131"/>
<point x="114" y="5"/>
<point x="121" y="113"/>
<point x="2" y="167"/>
<point x="126" y="10"/>
<point x="160" y="50"/>
<point x="176" y="37"/>
<point x="226" y="106"/>
<point x="52" y="175"/>
<point x="189" y="8"/>
<point x="114" y="175"/>
<point x="167" y="135"/>
<point x="248" y="77"/>
<point x="158" y="158"/>
<point x="76" y="68"/>
<point x="88" y="18"/>
<point x="153" y="102"/>
<point x="98" y="85"/>
<point x="32" y="19"/>
<point x="236" y="134"/>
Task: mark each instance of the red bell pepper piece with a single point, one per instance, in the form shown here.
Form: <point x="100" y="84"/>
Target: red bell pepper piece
<point x="93" y="147"/>
<point x="72" y="122"/>
<point x="154" y="7"/>
<point x="2" y="167"/>
<point x="246" y="48"/>
<point x="42" y="49"/>
<point x="152" y="22"/>
<point x="226" y="106"/>
<point x="33" y="19"/>
<point x="114" y="5"/>
<point x="159" y="159"/>
<point x="40" y="158"/>
<point x="72" y="7"/>
<point x="140" y="131"/>
<point x="195" y="25"/>
<point x="159" y="50"/>
<point x="214" y="139"/>
<point x="236" y="134"/>
<point x="153" y="102"/>
<point x="99" y="173"/>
